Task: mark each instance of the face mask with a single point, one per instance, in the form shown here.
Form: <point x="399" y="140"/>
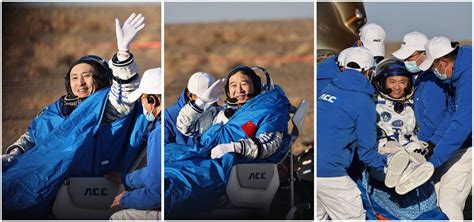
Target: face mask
<point x="412" y="67"/>
<point x="441" y="76"/>
<point x="149" y="116"/>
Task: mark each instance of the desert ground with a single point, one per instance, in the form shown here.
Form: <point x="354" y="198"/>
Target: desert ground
<point x="283" y="47"/>
<point x="40" y="42"/>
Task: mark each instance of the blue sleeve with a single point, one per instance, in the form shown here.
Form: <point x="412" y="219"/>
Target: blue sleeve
<point x="433" y="111"/>
<point x="148" y="197"/>
<point x="170" y="137"/>
<point x="135" y="179"/>
<point x="445" y="122"/>
<point x="327" y="70"/>
<point x="366" y="133"/>
<point x="461" y="123"/>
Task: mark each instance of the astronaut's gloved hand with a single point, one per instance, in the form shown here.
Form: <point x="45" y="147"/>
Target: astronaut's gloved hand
<point x="9" y="158"/>
<point x="222" y="149"/>
<point x="212" y="94"/>
<point x="127" y="32"/>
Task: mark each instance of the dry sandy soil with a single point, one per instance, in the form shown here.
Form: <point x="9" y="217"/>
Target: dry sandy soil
<point x="39" y="43"/>
<point x="284" y="48"/>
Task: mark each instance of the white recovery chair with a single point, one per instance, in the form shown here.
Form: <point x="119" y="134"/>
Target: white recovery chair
<point x="85" y="198"/>
<point x="89" y="198"/>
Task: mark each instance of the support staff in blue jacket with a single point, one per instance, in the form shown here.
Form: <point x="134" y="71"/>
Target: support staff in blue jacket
<point x="346" y="116"/>
<point x="144" y="197"/>
<point x="329" y="69"/>
<point x="371" y="36"/>
<point x="429" y="98"/>
<point x="198" y="83"/>
<point x="452" y="155"/>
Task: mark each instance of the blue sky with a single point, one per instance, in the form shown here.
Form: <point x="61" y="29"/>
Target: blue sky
<point x="216" y="11"/>
<point x="453" y="20"/>
<point x="450" y="19"/>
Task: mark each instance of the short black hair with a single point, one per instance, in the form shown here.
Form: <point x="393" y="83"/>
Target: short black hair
<point x="453" y="54"/>
<point x="102" y="74"/>
<point x="256" y="81"/>
<point x="353" y="65"/>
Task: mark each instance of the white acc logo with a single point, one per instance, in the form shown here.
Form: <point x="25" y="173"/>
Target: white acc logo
<point x="327" y="97"/>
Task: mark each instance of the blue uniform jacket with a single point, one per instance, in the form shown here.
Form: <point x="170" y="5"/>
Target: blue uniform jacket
<point x="429" y="105"/>
<point x="327" y="71"/>
<point x="146" y="182"/>
<point x="172" y="134"/>
<point x="458" y="128"/>
<point x="346" y="117"/>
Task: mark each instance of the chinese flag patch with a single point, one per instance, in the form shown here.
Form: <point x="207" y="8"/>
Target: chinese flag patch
<point x="249" y="128"/>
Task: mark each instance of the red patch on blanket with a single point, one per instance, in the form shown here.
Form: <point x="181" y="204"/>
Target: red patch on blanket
<point x="249" y="128"/>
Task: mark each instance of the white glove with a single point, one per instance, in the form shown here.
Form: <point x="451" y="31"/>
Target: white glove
<point x="127" y="32"/>
<point x="212" y="94"/>
<point x="9" y="158"/>
<point x="221" y="149"/>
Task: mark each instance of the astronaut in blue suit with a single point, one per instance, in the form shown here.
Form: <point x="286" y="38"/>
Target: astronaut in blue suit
<point x="92" y="130"/>
<point x="84" y="77"/>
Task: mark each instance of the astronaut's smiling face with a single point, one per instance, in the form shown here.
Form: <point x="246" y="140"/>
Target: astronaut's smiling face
<point x="82" y="81"/>
<point x="397" y="86"/>
<point x="240" y="85"/>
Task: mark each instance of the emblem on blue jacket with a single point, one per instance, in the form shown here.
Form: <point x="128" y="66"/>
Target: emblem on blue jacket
<point x="327" y="97"/>
<point x="385" y="116"/>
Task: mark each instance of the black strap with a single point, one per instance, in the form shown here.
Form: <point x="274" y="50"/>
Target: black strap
<point x="125" y="81"/>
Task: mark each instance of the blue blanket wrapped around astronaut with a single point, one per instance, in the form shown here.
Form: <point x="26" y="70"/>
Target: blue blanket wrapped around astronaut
<point x="194" y="181"/>
<point x="384" y="203"/>
<point x="78" y="145"/>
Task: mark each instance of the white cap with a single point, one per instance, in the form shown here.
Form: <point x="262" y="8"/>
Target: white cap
<point x="361" y="56"/>
<point x="412" y="42"/>
<point x="437" y="47"/>
<point x="150" y="84"/>
<point x="342" y="56"/>
<point x="199" y="82"/>
<point x="373" y="38"/>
